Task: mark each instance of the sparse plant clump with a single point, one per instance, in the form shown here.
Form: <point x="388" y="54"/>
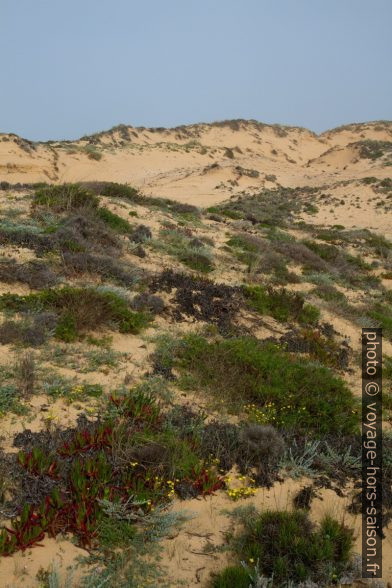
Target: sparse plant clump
<point x="141" y="234"/>
<point x="115" y="222"/>
<point x="31" y="331"/>
<point x="25" y="372"/>
<point x="35" y="274"/>
<point x="102" y="265"/>
<point x="286" y="547"/>
<point x="92" y="152"/>
<point x="281" y="304"/>
<point x="177" y="243"/>
<point x="372" y="149"/>
<point x="65" y="197"/>
<point x="79" y="310"/>
<point x="381" y="313"/>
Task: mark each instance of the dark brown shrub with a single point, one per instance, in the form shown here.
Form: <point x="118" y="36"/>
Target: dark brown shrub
<point x="84" y="231"/>
<point x="36" y="274"/>
<point x="102" y="265"/>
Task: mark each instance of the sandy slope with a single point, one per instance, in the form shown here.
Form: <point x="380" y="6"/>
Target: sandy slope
<point x="198" y="163"/>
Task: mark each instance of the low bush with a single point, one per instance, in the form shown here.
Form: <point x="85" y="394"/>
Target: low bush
<point x="290" y="393"/>
<point x="276" y="207"/>
<point x="65" y="197"/>
<point x="116" y="190"/>
<point x="197" y="259"/>
<point x="101" y="265"/>
<point x="300" y="254"/>
<point x="79" y="310"/>
<point x="328" y="293"/>
<point x="320" y="344"/>
<point x="287" y="547"/>
<point x="178" y="243"/>
<point x="140" y="234"/>
<point x="281" y="304"/>
<point x="232" y="576"/>
<point x="26" y="237"/>
<point x="148" y="302"/>
<point x="31" y="331"/>
<point x="381" y="312"/>
<point x="114" y="221"/>
<point x="35" y="274"/>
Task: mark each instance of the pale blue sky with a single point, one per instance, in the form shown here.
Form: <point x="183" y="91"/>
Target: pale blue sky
<point x="71" y="67"/>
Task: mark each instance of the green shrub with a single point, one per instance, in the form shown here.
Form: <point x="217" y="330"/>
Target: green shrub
<point x="114" y="221"/>
<point x="382" y="313"/>
<point x="79" y="310"/>
<point x="281" y="304"/>
<point x="65" y="197"/>
<point x="114" y="533"/>
<point x="292" y="393"/>
<point x="9" y="400"/>
<point x="66" y="329"/>
<point x="275" y="207"/>
<point x="309" y="315"/>
<point x="116" y="190"/>
<point x="232" y="577"/>
<point x="198" y="260"/>
<point x="289" y="548"/>
<point x="179" y="244"/>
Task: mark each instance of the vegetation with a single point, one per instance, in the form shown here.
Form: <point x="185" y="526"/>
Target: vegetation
<point x="286" y="547"/>
<point x="115" y="222"/>
<point x="137" y="440"/>
<point x="281" y="304"/>
<point x="290" y="393"/>
<point x="65" y="197"/>
<point x="123" y="466"/>
<point x="79" y="310"/>
<point x="191" y="252"/>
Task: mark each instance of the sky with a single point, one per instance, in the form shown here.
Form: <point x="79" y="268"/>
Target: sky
<point x="74" y="67"/>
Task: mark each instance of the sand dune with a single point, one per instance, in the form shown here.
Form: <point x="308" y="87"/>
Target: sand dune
<point x="199" y="163"/>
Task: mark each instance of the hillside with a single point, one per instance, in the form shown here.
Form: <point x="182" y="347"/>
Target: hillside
<point x="180" y="336"/>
